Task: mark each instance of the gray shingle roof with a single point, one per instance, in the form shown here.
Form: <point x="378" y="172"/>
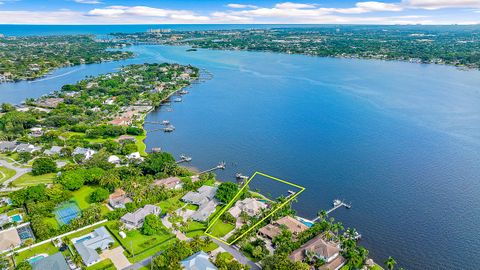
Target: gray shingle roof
<point x="198" y="261"/>
<point x="52" y="262"/>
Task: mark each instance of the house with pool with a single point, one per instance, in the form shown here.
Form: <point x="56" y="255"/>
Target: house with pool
<point x="52" y="262"/>
<point x="87" y="245"/>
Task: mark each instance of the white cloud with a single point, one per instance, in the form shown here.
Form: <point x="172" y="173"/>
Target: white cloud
<point x="365" y="7"/>
<point x="290" y="5"/>
<point x="144" y="11"/>
<point x="87" y="1"/>
<point x="366" y="12"/>
<point x="241" y="6"/>
<point x="438" y="4"/>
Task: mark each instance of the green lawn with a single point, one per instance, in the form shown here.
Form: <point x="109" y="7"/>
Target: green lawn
<point x="6" y="173"/>
<point x="47" y="248"/>
<point x="82" y="196"/>
<point x="136" y="242"/>
<point x="212" y="246"/>
<point x="220" y="229"/>
<point x="30" y="180"/>
<point x="142" y="147"/>
<point x="103" y="265"/>
<point x="192" y="207"/>
<point x="171" y="204"/>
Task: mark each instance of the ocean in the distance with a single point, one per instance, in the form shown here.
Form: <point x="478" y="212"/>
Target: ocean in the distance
<point x="400" y="141"/>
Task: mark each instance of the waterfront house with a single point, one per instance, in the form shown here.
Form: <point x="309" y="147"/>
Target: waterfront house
<point x="204" y="197"/>
<point x="135" y="220"/>
<point x="198" y="261"/>
<point x="52" y="262"/>
<point x="250" y="206"/>
<point x="169" y="183"/>
<point x="134" y="155"/>
<point x="55" y="150"/>
<point x="321" y="249"/>
<point x="85" y="152"/>
<point x="6" y="146"/>
<point x="126" y="138"/>
<point x="27" y="148"/>
<point x="201" y="196"/>
<point x="118" y="199"/>
<point x="9" y="239"/>
<point x="121" y="121"/>
<point x="205" y="211"/>
<point x="275" y="228"/>
<point x="87" y="245"/>
<point x="50" y="102"/>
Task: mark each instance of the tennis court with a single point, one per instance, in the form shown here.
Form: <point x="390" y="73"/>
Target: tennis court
<point x="66" y="212"/>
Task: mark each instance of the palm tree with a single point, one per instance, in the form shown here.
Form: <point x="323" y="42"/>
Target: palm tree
<point x="390" y="263"/>
<point x="322" y="214"/>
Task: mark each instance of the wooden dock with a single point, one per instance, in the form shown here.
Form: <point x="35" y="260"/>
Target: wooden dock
<point x="183" y="158"/>
<point x="220" y="166"/>
<point x="335" y="207"/>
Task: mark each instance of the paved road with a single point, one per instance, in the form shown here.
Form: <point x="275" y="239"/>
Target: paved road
<point x="237" y="255"/>
<point x="19" y="172"/>
<point x="142" y="263"/>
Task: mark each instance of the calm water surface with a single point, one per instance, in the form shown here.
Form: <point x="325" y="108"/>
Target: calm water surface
<point x="400" y="141"/>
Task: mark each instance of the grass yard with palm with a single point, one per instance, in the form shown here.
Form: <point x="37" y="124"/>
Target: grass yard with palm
<point x="29" y="179"/>
<point x="220" y="228"/>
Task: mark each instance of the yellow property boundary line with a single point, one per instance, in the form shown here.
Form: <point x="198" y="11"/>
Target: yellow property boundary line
<point x="239" y="193"/>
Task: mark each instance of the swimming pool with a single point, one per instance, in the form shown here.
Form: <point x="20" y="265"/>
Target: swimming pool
<point x="83" y="239"/>
<point x="16" y="218"/>
<point x="36" y="258"/>
<point x="304" y="221"/>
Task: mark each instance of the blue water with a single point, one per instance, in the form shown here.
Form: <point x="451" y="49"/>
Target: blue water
<point x="101" y="30"/>
<point x="83" y="239"/>
<point x="16" y="218"/>
<point x="400" y="141"/>
<point x="35" y="259"/>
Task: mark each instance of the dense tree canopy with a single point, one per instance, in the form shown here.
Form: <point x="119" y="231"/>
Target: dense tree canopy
<point x="226" y="191"/>
<point x="43" y="165"/>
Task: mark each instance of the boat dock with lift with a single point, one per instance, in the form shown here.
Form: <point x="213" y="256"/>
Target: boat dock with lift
<point x="183" y="158"/>
<point x="336" y="204"/>
<point x="220" y="166"/>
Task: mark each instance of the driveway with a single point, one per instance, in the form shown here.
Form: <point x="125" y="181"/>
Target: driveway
<point x="117" y="257"/>
<point x="237" y="255"/>
<point x="18" y="172"/>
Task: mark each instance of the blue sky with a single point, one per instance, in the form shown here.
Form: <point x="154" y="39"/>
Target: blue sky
<point x="241" y="11"/>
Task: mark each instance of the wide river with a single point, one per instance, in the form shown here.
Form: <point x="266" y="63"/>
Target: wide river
<point x="400" y="141"/>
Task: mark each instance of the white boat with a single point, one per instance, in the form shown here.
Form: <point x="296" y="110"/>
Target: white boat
<point x="336" y="202"/>
<point x="165" y="122"/>
<point x="178" y="100"/>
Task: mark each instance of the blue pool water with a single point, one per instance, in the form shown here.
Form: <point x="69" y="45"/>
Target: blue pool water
<point x="16" y="218"/>
<point x="400" y="141"/>
<point x="36" y="258"/>
<point x="83" y="239"/>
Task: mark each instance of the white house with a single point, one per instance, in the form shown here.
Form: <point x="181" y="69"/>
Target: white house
<point x="114" y="159"/>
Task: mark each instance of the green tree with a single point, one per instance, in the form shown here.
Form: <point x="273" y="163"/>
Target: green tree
<point x="157" y="163"/>
<point x="226" y="191"/>
<point x="152" y="225"/>
<point x="72" y="180"/>
<point x="43" y="165"/>
<point x="99" y="195"/>
<point x="390" y="263"/>
<point x="23" y="266"/>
